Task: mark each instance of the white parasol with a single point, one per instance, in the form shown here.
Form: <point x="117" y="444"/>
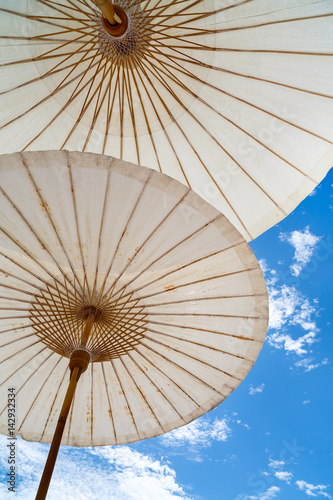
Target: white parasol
<point x="132" y="277"/>
<point x="230" y="97"/>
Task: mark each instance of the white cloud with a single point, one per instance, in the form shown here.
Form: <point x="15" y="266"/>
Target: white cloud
<point x="264" y="266"/>
<point x="270" y="274"/>
<point x="306" y="401"/>
<point x="137" y="472"/>
<point x="308" y="364"/>
<point x="312" y="490"/>
<point x="114" y="472"/>
<point x="288" y="306"/>
<point x="304" y="244"/>
<point x="276" y="464"/>
<point x="272" y="492"/>
<point x="284" y="476"/>
<point x="298" y="346"/>
<point x="199" y="433"/>
<point x="256" y="390"/>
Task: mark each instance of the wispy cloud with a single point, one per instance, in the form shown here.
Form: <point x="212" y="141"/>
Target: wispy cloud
<point x="283" y="476"/>
<point x="199" y="433"/>
<point x="304" y="244"/>
<point x="298" y="346"/>
<point x="276" y="464"/>
<point x="308" y="364"/>
<point x="256" y="390"/>
<point x="312" y="490"/>
<point x="114" y="472"/>
<point x="314" y="192"/>
<point x="272" y="492"/>
<point x="288" y="307"/>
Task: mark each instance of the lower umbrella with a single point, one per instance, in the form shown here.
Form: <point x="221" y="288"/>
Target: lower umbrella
<point x="146" y="292"/>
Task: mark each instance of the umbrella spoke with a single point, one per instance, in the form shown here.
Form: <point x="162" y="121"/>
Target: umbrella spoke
<point x="158" y="368"/>
<point x="125" y="397"/>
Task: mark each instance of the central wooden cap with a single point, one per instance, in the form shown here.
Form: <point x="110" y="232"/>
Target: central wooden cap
<point x="80" y="358"/>
<point x="116" y="30"/>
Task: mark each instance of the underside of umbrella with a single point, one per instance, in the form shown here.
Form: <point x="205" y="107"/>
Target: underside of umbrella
<point x="178" y="299"/>
<point x="231" y="98"/>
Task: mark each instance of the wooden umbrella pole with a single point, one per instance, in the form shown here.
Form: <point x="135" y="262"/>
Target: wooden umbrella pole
<point x="87" y="327"/>
<point x="108" y="11"/>
<point x="52" y="456"/>
<point x="78" y="364"/>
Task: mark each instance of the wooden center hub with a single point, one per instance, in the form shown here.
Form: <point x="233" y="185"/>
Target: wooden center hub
<point x="116" y="30"/>
<point x="59" y="314"/>
<point x="80" y="358"/>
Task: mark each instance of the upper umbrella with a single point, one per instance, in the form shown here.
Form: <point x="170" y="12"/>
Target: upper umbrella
<point x="232" y="98"/>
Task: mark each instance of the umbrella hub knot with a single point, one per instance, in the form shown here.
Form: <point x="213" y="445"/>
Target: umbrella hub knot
<point x="80" y="358"/>
<point x="104" y="323"/>
<point x="116" y="30"/>
<point x="92" y="309"/>
<point x="127" y="40"/>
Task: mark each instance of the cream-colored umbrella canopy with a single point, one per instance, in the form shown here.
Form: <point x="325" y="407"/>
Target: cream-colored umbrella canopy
<point x="230" y="97"/>
<point x="181" y="300"/>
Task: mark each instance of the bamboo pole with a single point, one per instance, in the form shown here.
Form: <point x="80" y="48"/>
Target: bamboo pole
<point x="53" y="453"/>
<point x="108" y="11"/>
<point x="78" y="364"/>
<point x="87" y="328"/>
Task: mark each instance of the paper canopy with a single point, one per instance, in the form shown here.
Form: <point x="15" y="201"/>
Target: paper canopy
<point x="232" y="98"/>
<point x="181" y="299"/>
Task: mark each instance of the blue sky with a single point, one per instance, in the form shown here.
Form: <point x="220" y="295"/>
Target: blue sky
<point x="272" y="438"/>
